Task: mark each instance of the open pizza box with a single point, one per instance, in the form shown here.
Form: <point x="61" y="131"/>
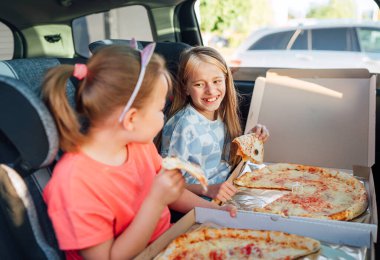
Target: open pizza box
<point x="322" y="118"/>
<point x="329" y="121"/>
<point x="354" y="239"/>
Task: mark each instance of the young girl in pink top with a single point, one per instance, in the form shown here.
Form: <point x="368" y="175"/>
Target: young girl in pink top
<point x="108" y="196"/>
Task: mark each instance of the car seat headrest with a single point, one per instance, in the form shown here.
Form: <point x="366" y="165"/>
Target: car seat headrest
<point x="95" y="46"/>
<point x="171" y="51"/>
<point x="28" y="135"/>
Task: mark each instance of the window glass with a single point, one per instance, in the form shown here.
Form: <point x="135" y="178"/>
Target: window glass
<point x="6" y="42"/>
<point x="301" y="42"/>
<point x="275" y="41"/>
<point x="119" y="23"/>
<point x="333" y="39"/>
<point x="234" y="27"/>
<point x="369" y="39"/>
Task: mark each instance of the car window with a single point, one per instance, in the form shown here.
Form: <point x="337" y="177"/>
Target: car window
<point x="301" y="42"/>
<point x="6" y="42"/>
<point x="333" y="39"/>
<point x="119" y="23"/>
<point x="275" y="41"/>
<point x="369" y="39"/>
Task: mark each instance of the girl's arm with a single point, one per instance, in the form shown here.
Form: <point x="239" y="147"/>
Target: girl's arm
<point x="222" y="191"/>
<point x="167" y="187"/>
<point x="188" y="200"/>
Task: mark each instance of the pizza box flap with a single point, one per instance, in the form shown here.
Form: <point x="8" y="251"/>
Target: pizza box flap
<point x="317" y="117"/>
<point x="336" y="232"/>
<point x="174" y="231"/>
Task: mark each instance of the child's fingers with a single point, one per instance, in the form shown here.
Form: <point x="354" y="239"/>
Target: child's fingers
<point x="178" y="180"/>
<point x="231" y="209"/>
<point x="231" y="187"/>
<point x="222" y="196"/>
<point x="172" y="178"/>
<point x="258" y="129"/>
<point x="261" y="132"/>
<point x="264" y="134"/>
<point x="225" y="195"/>
<point x="228" y="191"/>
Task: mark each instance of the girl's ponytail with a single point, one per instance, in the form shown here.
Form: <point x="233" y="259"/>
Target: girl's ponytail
<point x="55" y="97"/>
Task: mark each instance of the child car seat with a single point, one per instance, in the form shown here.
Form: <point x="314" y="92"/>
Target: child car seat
<point x="28" y="144"/>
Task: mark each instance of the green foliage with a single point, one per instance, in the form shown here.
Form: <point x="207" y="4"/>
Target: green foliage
<point x="233" y="19"/>
<point x="221" y="15"/>
<point x="334" y="9"/>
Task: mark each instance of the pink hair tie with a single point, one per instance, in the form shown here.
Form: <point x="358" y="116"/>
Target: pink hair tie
<point x="80" y="71"/>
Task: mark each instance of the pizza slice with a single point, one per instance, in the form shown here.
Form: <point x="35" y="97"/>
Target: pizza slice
<point x="230" y="243"/>
<point x="171" y="163"/>
<point x="250" y="148"/>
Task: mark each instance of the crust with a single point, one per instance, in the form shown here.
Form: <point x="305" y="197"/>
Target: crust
<point x="171" y="163"/>
<point x="250" y="148"/>
<point x="239" y="243"/>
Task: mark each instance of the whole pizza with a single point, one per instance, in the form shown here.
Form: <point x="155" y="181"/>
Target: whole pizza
<point x="310" y="191"/>
<point x="229" y="243"/>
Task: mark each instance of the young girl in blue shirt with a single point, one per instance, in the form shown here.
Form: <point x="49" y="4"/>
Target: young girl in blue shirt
<point x="204" y="119"/>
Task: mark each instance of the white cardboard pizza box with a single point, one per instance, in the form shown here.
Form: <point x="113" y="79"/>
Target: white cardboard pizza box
<point x="351" y="235"/>
<point x="317" y="117"/>
<point x="337" y="108"/>
<point x="323" y="118"/>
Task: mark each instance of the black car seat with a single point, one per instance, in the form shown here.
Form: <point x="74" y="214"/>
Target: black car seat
<point x="28" y="145"/>
<point x="171" y="51"/>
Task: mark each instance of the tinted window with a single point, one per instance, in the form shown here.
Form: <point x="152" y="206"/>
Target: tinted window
<point x="6" y="42"/>
<point x="369" y="39"/>
<point x="275" y="41"/>
<point x="334" y="39"/>
<point x="301" y="42"/>
<point x="120" y="23"/>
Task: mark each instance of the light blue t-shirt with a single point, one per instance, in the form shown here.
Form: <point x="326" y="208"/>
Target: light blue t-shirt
<point x="194" y="138"/>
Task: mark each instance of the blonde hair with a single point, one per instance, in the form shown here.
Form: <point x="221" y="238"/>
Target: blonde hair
<point x="108" y="85"/>
<point x="228" y="110"/>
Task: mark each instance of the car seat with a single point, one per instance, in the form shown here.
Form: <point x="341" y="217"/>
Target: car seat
<point x="171" y="51"/>
<point x="28" y="145"/>
<point x="32" y="71"/>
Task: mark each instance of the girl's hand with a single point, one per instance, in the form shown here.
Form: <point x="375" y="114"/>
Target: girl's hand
<point x="167" y="186"/>
<point x="222" y="191"/>
<point x="261" y="132"/>
<point x="230" y="208"/>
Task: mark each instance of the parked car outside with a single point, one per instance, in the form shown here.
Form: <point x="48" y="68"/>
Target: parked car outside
<point x="322" y="45"/>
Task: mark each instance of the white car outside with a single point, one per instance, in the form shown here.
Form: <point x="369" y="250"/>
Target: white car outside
<point x="328" y="45"/>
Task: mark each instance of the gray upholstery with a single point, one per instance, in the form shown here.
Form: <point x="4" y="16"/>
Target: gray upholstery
<point x="15" y="123"/>
<point x="22" y="215"/>
<point x="29" y="144"/>
<point x="32" y="71"/>
<point x="27" y="125"/>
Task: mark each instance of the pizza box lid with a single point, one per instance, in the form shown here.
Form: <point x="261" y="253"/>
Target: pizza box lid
<point x="317" y="117"/>
<point x="353" y="234"/>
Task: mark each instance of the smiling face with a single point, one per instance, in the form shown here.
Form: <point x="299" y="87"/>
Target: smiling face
<point x="207" y="87"/>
